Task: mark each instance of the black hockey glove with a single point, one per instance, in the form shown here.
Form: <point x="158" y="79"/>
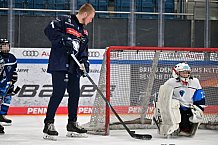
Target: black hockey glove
<point x="84" y="69"/>
<point x="71" y="45"/>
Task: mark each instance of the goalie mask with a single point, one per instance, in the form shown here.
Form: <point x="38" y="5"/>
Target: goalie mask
<point x="182" y="72"/>
<point x="4" y="46"/>
<point x="2" y="63"/>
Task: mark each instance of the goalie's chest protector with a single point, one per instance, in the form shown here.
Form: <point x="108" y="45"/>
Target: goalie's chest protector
<point x="184" y="93"/>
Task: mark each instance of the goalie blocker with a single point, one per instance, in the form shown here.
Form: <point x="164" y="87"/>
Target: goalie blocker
<point x="174" y="118"/>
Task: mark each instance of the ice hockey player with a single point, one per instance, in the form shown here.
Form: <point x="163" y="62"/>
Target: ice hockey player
<point x="180" y="105"/>
<point x="67" y="36"/>
<point x="8" y="77"/>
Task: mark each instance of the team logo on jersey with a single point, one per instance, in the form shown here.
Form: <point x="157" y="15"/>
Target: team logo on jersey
<point x="76" y="45"/>
<point x="181" y="92"/>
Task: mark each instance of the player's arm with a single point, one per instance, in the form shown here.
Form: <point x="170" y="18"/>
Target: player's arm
<point x="198" y="104"/>
<point x="55" y="29"/>
<point x="199" y="98"/>
<point x="83" y="59"/>
<point x="83" y="54"/>
<point x="11" y="74"/>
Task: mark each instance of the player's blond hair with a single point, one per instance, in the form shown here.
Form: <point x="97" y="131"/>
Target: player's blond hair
<point x="86" y="8"/>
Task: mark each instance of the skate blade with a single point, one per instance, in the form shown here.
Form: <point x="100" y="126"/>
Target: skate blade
<point x="6" y="124"/>
<point x="50" y="137"/>
<point x="76" y="135"/>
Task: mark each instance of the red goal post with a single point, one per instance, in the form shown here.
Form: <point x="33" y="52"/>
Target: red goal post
<point x="131" y="76"/>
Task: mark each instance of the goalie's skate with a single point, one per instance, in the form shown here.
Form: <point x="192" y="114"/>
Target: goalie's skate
<point x="191" y="131"/>
<point x="74" y="130"/>
<point x="49" y="132"/>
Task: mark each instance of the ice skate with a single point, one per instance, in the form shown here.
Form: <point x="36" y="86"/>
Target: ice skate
<point x="5" y="121"/>
<point x="50" y="132"/>
<point x="1" y="129"/>
<point x="74" y="130"/>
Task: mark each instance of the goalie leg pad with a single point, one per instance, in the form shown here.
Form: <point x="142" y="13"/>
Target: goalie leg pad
<point x="169" y="111"/>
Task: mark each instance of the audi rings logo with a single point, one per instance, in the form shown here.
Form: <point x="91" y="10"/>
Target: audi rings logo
<point x="32" y="53"/>
<point x="94" y="54"/>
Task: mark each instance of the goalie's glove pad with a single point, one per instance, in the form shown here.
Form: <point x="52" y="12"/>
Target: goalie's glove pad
<point x="84" y="69"/>
<point x="71" y="45"/>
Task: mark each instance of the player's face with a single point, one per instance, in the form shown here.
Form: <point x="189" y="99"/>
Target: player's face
<point x="185" y="74"/>
<point x="88" y="18"/>
<point x="5" y="48"/>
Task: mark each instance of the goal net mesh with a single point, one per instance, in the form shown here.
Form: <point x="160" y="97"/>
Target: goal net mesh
<point x="130" y="78"/>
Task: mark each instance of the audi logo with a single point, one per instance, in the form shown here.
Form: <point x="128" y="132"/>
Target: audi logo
<point x="33" y="53"/>
<point x="94" y="54"/>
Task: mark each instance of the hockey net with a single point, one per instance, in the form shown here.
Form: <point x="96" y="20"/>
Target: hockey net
<point x="130" y="78"/>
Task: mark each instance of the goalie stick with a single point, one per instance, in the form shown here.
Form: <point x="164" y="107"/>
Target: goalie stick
<point x="131" y="133"/>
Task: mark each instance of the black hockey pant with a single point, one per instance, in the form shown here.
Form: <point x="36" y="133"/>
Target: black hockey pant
<point x="185" y="124"/>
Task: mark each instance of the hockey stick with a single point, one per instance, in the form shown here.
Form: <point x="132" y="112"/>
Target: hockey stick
<point x="131" y="133"/>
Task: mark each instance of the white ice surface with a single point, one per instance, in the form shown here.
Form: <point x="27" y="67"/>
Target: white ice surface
<point x="27" y="130"/>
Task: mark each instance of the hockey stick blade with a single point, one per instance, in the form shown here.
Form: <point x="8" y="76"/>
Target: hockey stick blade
<point x="131" y="133"/>
<point x="142" y="136"/>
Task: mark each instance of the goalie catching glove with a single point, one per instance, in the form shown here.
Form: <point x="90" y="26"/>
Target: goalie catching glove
<point x="197" y="114"/>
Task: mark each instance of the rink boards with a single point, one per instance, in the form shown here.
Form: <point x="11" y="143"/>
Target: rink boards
<point x="36" y="87"/>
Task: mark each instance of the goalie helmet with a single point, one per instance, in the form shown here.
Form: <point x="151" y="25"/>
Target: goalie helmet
<point x="4" y="46"/>
<point x="180" y="67"/>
